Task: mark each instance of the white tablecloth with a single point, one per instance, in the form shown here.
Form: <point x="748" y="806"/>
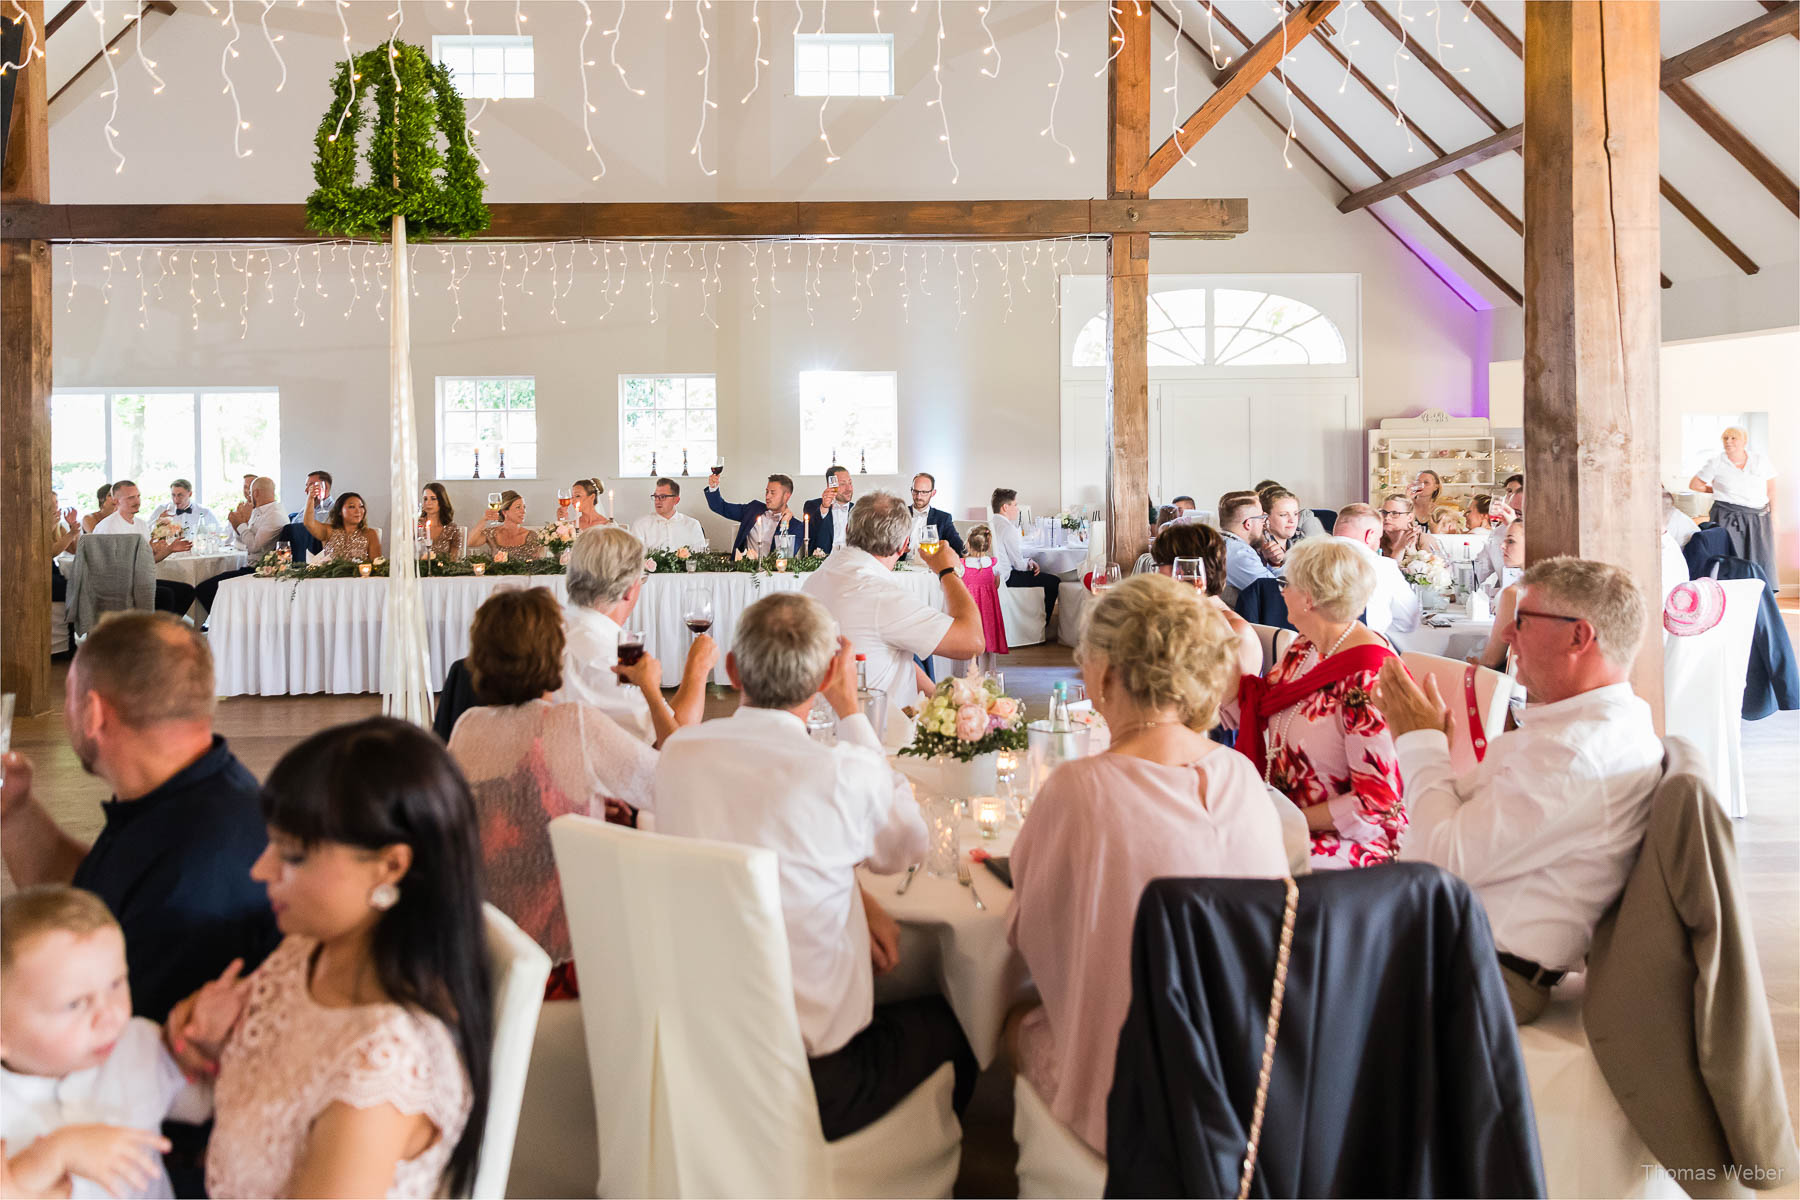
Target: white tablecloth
<point x="1058" y="560"/>
<point x="1460" y="639"/>
<point x="273" y="637"/>
<point x="194" y="569"/>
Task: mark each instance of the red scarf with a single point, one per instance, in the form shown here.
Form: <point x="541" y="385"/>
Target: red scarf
<point x="1259" y="699"/>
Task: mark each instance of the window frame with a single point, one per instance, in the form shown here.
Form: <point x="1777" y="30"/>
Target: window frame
<point x="475" y="41"/>
<point x="439" y="412"/>
<point x="199" y="392"/>
<point x="859" y="40"/>
<point x="844" y="458"/>
<point x="670" y="470"/>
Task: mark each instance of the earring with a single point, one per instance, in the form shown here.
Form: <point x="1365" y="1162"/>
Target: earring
<point x="384" y="896"/>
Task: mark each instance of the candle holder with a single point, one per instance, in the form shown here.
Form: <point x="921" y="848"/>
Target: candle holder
<point x="781" y="564"/>
<point x="365" y="569"/>
<point x="480" y="568"/>
<point x="692" y="566"/>
<point x="989" y="813"/>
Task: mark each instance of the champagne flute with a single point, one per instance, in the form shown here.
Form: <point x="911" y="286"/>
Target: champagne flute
<point x="1193" y="571"/>
<point x="697" y="609"/>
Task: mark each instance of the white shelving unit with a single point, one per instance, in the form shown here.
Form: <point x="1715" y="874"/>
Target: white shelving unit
<point x="1462" y="450"/>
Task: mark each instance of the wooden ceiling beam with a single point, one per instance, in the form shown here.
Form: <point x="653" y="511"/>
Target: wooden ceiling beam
<point x="62" y="16"/>
<point x="1235" y="83"/>
<point x="1498" y="28"/>
<point x="1734" y="143"/>
<point x="1488" y="147"/>
<point x="946" y="220"/>
<point x="1780" y="21"/>
<point x="1713" y="233"/>
<point x="165" y="7"/>
<point x="1440" y="72"/>
<point x="1772" y="5"/>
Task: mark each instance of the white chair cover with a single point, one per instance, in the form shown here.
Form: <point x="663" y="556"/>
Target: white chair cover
<point x="59" y="627"/>
<point x="1493" y="691"/>
<point x="520" y="968"/>
<point x="1022" y="610"/>
<point x="1283" y="639"/>
<point x="1703" y="690"/>
<point x="701" y="1084"/>
<point x="1266" y="634"/>
<point x="1053" y="1161"/>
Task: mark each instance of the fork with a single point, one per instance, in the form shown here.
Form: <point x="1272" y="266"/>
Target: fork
<point x="964" y="877"/>
<point x="907" y="882"/>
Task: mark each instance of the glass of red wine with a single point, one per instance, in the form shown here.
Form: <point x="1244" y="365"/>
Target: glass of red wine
<point x="697" y="610"/>
<point x="631" y="651"/>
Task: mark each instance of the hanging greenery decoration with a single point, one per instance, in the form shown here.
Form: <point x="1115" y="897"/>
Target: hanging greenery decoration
<point x="437" y="191"/>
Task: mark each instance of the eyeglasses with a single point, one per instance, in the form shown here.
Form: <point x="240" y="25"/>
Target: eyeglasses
<point x="917" y="492"/>
<point x="661" y="496"/>
<point x="1256" y="518"/>
<point x="1396" y="512"/>
<point x="1520" y="615"/>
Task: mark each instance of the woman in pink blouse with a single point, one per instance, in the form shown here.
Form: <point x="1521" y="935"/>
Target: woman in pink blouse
<point x="1311" y="727"/>
<point x="359" y="1065"/>
<point x="1163" y="800"/>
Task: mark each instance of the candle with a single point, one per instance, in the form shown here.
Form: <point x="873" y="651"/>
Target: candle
<point x="989" y="812"/>
<point x="691" y="566"/>
<point x="364" y="569"/>
<point x="781" y="564"/>
<point x="480" y="568"/>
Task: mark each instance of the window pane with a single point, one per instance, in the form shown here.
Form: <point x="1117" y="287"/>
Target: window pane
<point x="491" y="393"/>
<point x="78" y="448"/>
<point x="521" y="427"/>
<point x="485" y="86"/>
<point x="521" y="393"/>
<point x="809" y="56"/>
<point x="488" y="58"/>
<point x="852" y="414"/>
<point x="662" y="416"/>
<point x="521" y="461"/>
<point x="702" y="423"/>
<point x="518" y="87"/>
<point x="639" y="390"/>
<point x="844" y="83"/>
<point x="492" y="426"/>
<point x="153" y="442"/>
<point x="874" y="57"/>
<point x="518" y="60"/>
<point x="843" y="56"/>
<point x="459" y="393"/>
<point x="702" y="392"/>
<point x="875" y="84"/>
<point x="458" y="461"/>
<point x="809" y="83"/>
<point x="459" y="427"/>
<point x="668" y="393"/>
<point x="634" y="458"/>
<point x="240" y="432"/>
<point x="457" y="58"/>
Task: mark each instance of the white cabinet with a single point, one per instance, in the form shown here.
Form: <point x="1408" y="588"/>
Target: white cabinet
<point x="1460" y="449"/>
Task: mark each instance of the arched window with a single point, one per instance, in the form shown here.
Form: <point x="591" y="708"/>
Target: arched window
<point x="1246" y="329"/>
<point x="1177" y="332"/>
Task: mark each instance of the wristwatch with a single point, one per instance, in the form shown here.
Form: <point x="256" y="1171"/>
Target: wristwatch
<point x="946" y="571"/>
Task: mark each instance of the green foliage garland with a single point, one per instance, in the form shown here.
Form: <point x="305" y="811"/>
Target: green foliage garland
<point x="415" y="102"/>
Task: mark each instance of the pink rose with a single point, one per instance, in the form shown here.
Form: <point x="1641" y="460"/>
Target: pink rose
<point x="1006" y="708"/>
<point x="971" y="723"/>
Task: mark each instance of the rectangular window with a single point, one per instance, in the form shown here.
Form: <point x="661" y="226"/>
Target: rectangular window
<point x="843" y="64"/>
<point x="486" y="423"/>
<point x="154" y="436"/>
<point x="849" y="419"/>
<point x="668" y="424"/>
<point x="487" y="67"/>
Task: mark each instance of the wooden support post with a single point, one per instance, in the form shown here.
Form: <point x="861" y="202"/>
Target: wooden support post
<point x="1592" y="313"/>
<point x="25" y="401"/>
<point x="1128" y="293"/>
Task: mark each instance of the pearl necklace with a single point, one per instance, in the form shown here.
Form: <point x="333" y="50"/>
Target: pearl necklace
<point x="1278" y="733"/>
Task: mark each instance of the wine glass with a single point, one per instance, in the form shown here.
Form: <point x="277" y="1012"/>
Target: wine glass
<point x="284" y="553"/>
<point x="631" y="651"/>
<point x="697" y="609"/>
<point x="929" y="541"/>
<point x="718" y="464"/>
<point x="564" y="496"/>
<point x="1105" y="579"/>
<point x="1192" y="571"/>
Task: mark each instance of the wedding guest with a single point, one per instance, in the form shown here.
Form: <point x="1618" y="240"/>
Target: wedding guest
<point x="262" y="523"/>
<point x="1163" y="800"/>
<point x="172" y="595"/>
<point x="1547" y="826"/>
<point x="1243" y="522"/>
<point x="758" y="520"/>
<point x="173" y="857"/>
<point x="1512" y="563"/>
<point x="530" y="758"/>
<point x="1184" y="504"/>
<point x="1311" y="727"/>
<point x="1192" y="540"/>
<point x="345" y="534"/>
<point x="318" y="492"/>
<point x="107" y="506"/>
<point x="1741" y="482"/>
<point x="1284" y="526"/>
<point x="1308" y="521"/>
<point x="1425" y="494"/>
<point x="666" y="529"/>
<point x="828" y="518"/>
<point x="195" y="518"/>
<point x="504" y="529"/>
<point x="978" y="577"/>
<point x="1477" y="518"/>
<point x="1400" y="532"/>
<point x="318" y="488"/>
<point x="1012" y="568"/>
<point x="1514" y="489"/>
<point x="360" y="1064"/>
<point x="65" y="531"/>
<point x="756" y="778"/>
<point x="924" y="488"/>
<point x="606" y="574"/>
<point x="584" y="494"/>
<point x="438" y="515"/>
<point x="1447" y="518"/>
<point x="887" y="622"/>
<point x="1394" y="610"/>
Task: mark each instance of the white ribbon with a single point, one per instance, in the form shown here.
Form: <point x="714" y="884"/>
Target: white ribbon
<point x="406" y="684"/>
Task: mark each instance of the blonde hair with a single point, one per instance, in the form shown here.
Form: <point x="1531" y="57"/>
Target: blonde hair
<point x="1167" y="647"/>
<point x="1447" y="512"/>
<point x="49" y="909"/>
<point x="1604" y="596"/>
<point x="1338" y="576"/>
<point x="1739" y="430"/>
<point x="981" y="540"/>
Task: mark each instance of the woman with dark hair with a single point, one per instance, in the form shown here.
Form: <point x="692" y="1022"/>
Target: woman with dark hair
<point x="346" y="534"/>
<point x="359" y="1065"/>
<point x="438" y="516"/>
<point x="529" y="759"/>
<point x="585" y="495"/>
<point x="508" y="533"/>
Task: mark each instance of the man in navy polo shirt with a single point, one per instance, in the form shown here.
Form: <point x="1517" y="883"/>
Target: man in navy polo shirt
<point x="183" y="826"/>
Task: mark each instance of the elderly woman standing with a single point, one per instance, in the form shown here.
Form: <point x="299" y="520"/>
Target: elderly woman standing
<point x="1163" y="800"/>
<point x="1742" y="483"/>
<point x="1312" y="728"/>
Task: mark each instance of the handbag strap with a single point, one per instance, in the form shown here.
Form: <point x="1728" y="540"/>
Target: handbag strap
<point x="1477" y="731"/>
<point x="1289" y="912"/>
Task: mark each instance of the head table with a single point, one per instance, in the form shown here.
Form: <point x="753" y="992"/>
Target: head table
<point x="286" y="637"/>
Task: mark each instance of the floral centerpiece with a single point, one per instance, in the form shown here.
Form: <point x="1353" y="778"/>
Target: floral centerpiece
<point x="1429" y="575"/>
<point x="967" y="717"/>
<point x="558" y="536"/>
<point x="1068" y="520"/>
<point x="167" y="529"/>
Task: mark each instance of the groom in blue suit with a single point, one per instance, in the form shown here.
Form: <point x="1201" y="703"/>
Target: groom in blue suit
<point x="828" y="517"/>
<point x="759" y="520"/>
<point x="924" y="487"/>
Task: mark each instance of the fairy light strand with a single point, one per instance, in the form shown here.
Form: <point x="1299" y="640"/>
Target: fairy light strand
<point x="238" y="124"/>
<point x="587" y="103"/>
<point x="613" y="54"/>
<point x="349" y="68"/>
<point x="1118" y="39"/>
<point x="112" y="90"/>
<point x="1062" y="57"/>
<point x="993" y="46"/>
<point x="706" y="100"/>
<point x="272" y="39"/>
<point x="148" y="63"/>
<point x="1287" y="94"/>
<point x="32" y="49"/>
<point x="757" y="61"/>
<point x="1173" y="91"/>
<point x="937" y="75"/>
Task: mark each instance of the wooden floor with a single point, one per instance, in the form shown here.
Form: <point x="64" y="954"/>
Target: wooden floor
<point x="262" y="729"/>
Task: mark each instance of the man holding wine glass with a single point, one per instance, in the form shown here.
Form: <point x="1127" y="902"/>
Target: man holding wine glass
<point x="666" y="529"/>
<point x="828" y="517"/>
<point x="758" y="520"/>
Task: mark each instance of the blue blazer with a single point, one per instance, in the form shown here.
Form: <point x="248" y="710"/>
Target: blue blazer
<point x="823" y="528"/>
<point x="947" y="530"/>
<point x="746" y="515"/>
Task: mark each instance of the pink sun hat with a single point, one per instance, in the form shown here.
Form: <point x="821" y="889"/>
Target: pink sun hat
<point x="1694" y="607"/>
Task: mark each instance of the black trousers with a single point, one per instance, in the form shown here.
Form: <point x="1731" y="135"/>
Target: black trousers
<point x="906" y="1041"/>
<point x="173" y="596"/>
<point x="208" y="591"/>
<point x="1042" y="580"/>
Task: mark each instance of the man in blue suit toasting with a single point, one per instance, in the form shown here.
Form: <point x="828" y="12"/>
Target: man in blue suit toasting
<point x="759" y="520"/>
<point x="828" y="517"/>
<point x="924" y="487"/>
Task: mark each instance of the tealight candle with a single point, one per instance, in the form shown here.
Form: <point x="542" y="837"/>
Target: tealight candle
<point x="989" y="812"/>
<point x="365" y="569"/>
<point x="480" y="568"/>
<point x="781" y="564"/>
<point x="691" y="566"/>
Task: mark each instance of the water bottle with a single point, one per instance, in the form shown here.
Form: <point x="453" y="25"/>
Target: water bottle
<point x="1059" y="707"/>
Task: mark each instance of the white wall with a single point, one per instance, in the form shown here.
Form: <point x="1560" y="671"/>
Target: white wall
<point x="1752" y="373"/>
<point x="979" y="404"/>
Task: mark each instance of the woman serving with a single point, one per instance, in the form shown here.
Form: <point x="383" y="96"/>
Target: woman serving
<point x="1742" y="483"/>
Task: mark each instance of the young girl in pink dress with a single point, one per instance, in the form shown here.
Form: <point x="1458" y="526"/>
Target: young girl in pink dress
<point x="978" y="577"/>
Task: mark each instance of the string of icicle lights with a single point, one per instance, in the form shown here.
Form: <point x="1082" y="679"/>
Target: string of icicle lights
<point x="957" y="31"/>
<point x="570" y="281"/>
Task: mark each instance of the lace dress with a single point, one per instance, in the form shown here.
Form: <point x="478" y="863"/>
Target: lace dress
<point x="291" y="1058"/>
<point x="527" y="764"/>
<point x="342" y="545"/>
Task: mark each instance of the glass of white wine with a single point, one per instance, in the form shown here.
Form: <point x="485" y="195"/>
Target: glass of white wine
<point x="929" y="540"/>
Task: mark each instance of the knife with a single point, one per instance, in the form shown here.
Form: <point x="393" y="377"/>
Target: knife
<point x="907" y="882"/>
<point x="964" y="877"/>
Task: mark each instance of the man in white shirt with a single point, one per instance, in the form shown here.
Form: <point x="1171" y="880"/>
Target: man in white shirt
<point x="757" y="778"/>
<point x="1011" y="567"/>
<point x="888" y="623"/>
<point x="827" y="519"/>
<point x="666" y="529"/>
<point x="606" y="574"/>
<point x="1546" y="828"/>
<point x="1394" y="610"/>
<point x="172" y="595"/>
<point x="194" y="518"/>
<point x="256" y="526"/>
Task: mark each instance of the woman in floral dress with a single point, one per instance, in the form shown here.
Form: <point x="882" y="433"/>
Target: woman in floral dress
<point x="346" y="534"/>
<point x="438" y="516"/>
<point x="1311" y="726"/>
<point x="508" y="533"/>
